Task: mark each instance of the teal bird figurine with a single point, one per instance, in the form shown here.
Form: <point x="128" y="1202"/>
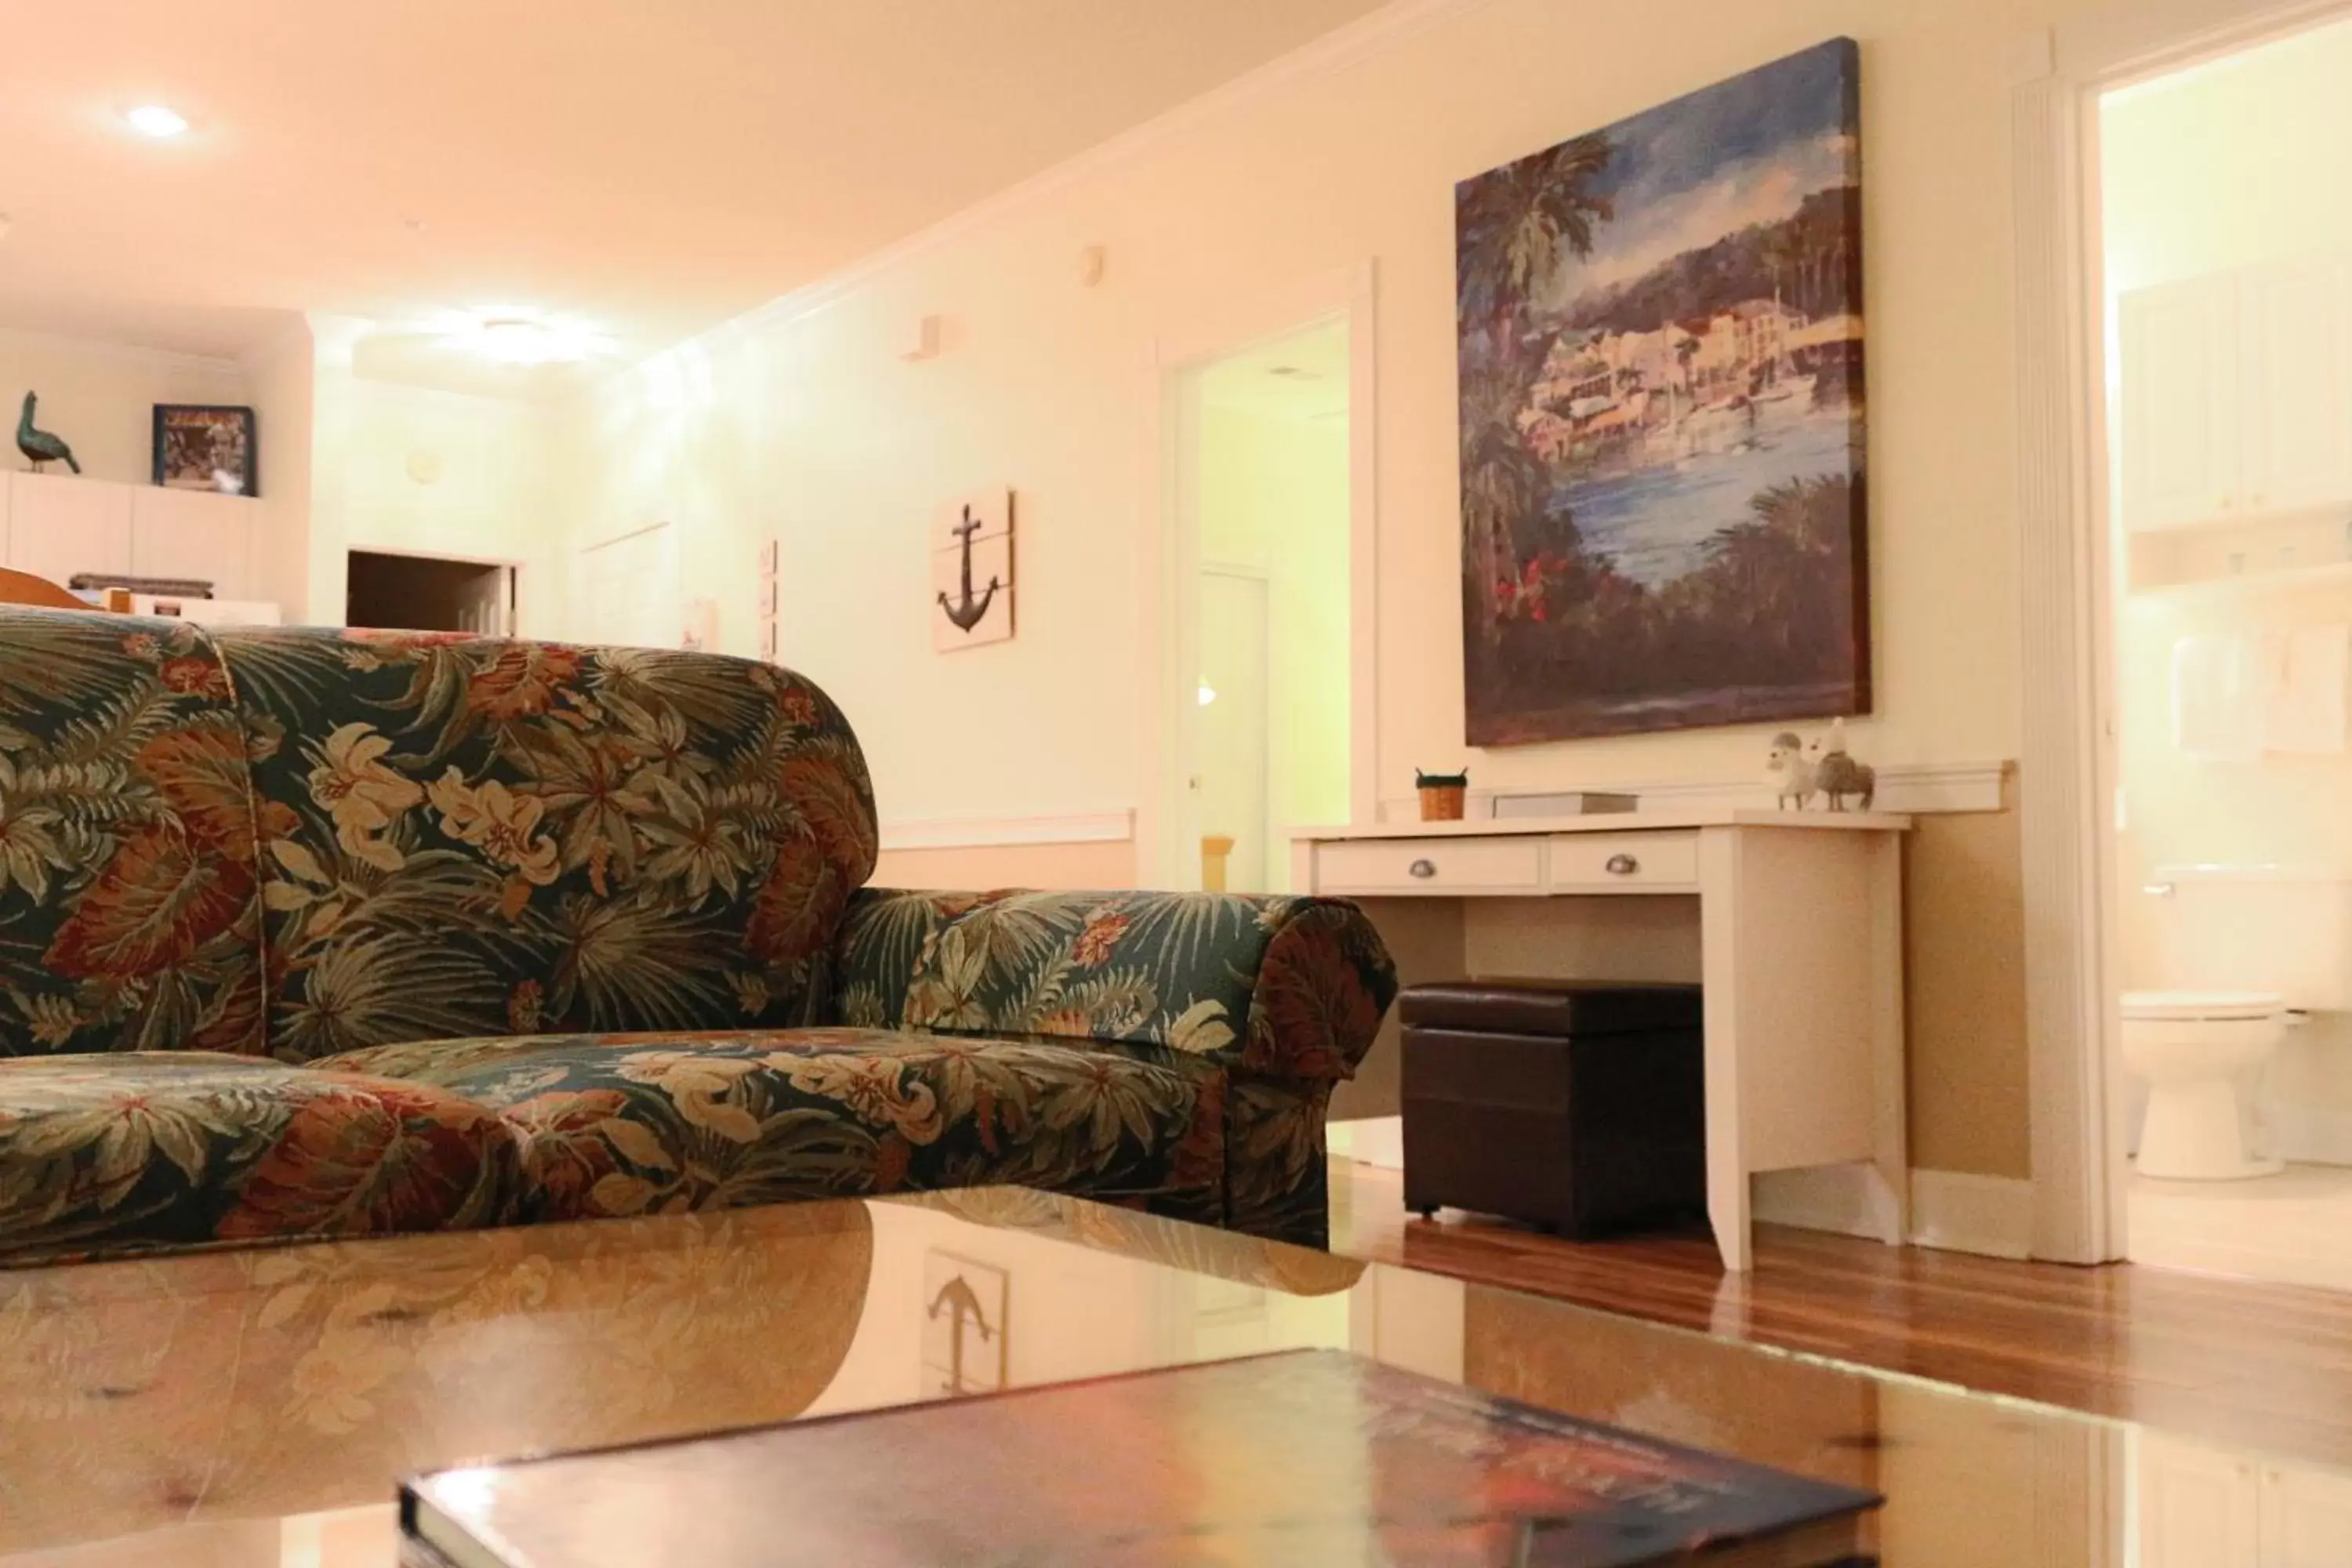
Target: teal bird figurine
<point x="40" y="444"/>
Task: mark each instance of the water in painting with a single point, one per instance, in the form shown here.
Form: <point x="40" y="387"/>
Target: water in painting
<point x="1663" y="499"/>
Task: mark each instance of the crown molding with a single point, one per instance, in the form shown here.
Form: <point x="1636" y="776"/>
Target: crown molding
<point x="1367" y="35"/>
<point x="107" y="348"/>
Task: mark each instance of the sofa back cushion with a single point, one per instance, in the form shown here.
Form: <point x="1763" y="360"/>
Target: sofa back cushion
<point x="470" y="836"/>
<point x="130" y="911"/>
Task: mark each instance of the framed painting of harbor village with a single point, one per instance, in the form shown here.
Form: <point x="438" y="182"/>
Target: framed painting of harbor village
<point x="1663" y="517"/>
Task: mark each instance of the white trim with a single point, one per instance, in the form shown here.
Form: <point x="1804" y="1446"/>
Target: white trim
<point x="1335" y="50"/>
<point x="1919" y="788"/>
<point x="988" y="832"/>
<point x="107" y="348"/>
<point x="1369" y="1140"/>
<point x="2067" y="768"/>
<point x="1953" y="1211"/>
<point x="1959" y="1211"/>
<point x="2063" y="844"/>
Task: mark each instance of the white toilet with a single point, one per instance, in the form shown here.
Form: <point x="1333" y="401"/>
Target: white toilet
<point x="2238" y="949"/>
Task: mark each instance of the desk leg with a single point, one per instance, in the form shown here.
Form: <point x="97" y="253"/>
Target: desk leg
<point x="1720" y="963"/>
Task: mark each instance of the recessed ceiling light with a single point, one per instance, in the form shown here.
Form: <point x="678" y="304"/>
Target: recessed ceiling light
<point x="512" y="336"/>
<point x="160" y="121"/>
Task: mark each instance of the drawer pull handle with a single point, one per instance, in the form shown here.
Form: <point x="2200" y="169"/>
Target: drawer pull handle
<point x="1423" y="869"/>
<point x="1622" y="865"/>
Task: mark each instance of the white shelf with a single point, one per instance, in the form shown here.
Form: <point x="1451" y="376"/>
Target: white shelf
<point x="2280" y="578"/>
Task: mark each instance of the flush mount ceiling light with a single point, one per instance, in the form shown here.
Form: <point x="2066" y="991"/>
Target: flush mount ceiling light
<point x="160" y="121"/>
<point x="520" y="337"/>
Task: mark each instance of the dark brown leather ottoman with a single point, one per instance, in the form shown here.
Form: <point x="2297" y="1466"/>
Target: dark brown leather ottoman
<point x="1578" y="1105"/>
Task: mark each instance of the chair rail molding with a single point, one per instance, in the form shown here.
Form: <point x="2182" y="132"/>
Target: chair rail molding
<point x="1914" y="788"/>
<point x="992" y="832"/>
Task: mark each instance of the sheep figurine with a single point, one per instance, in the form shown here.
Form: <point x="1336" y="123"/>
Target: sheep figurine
<point x="1835" y="772"/>
<point x="1787" y="770"/>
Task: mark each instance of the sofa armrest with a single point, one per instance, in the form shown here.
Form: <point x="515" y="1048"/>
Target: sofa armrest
<point x="1282" y="987"/>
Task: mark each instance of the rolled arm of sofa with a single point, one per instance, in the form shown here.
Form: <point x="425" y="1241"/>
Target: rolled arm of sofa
<point x="1288" y="988"/>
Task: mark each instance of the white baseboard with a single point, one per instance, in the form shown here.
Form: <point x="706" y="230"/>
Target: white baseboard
<point x="1373" y="1141"/>
<point x="1951" y="1210"/>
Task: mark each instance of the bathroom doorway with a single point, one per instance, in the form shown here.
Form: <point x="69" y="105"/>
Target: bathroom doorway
<point x="2225" y="258"/>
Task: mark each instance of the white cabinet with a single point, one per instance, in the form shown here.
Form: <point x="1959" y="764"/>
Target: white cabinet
<point x="2208" y="1508"/>
<point x="194" y="533"/>
<point x="59" y="525"/>
<point x="2180" y="403"/>
<point x="2198" y="1506"/>
<point x="2237" y="395"/>
<point x="2295" y="381"/>
<point x="2306" y="1519"/>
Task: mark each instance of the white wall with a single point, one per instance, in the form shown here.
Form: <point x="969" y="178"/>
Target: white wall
<point x="802" y="422"/>
<point x="448" y="473"/>
<point x="101" y="397"/>
<point x="282" y="374"/>
<point x="814" y="420"/>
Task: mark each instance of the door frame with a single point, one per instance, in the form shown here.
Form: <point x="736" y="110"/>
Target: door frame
<point x="2067" y="774"/>
<point x="1169" y="560"/>
<point x="514" y="569"/>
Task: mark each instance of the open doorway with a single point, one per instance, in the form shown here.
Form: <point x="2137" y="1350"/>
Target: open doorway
<point x="1264" y="490"/>
<point x="428" y="593"/>
<point x="2225" y="260"/>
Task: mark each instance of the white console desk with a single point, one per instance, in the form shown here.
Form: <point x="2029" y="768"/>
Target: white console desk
<point x="1799" y="950"/>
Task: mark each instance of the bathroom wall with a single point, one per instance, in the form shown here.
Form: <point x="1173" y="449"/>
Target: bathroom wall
<point x="2209" y="171"/>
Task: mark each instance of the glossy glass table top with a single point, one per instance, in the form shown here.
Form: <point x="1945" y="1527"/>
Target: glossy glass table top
<point x="256" y="1407"/>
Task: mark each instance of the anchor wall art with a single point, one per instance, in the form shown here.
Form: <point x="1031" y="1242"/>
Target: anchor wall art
<point x="971" y="573"/>
<point x="1660" y="355"/>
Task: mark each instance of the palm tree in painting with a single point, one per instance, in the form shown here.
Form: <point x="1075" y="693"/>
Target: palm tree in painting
<point x="1514" y="229"/>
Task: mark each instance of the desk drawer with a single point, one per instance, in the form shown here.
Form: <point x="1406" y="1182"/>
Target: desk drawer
<point x="1626" y="863"/>
<point x="1446" y="867"/>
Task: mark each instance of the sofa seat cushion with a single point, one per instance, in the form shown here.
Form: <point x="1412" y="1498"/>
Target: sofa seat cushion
<point x="624" y="1124"/>
<point x="127" y="1151"/>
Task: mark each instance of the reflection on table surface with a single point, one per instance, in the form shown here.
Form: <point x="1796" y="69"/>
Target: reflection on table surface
<point x="244" y="1408"/>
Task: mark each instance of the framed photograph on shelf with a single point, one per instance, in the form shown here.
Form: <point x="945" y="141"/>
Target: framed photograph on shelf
<point x="205" y="447"/>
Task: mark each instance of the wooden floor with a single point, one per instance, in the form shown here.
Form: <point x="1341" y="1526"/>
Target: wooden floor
<point x="2266" y="1365"/>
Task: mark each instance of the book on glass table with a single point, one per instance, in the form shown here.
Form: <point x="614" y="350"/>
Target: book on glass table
<point x="1308" y="1457"/>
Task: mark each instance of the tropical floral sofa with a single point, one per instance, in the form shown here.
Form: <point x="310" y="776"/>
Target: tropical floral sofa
<point x="311" y="933"/>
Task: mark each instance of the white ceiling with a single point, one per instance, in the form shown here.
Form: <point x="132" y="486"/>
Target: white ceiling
<point x="654" y="168"/>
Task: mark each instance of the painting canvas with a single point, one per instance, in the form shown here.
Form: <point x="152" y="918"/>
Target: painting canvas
<point x="1663" y="516"/>
<point x="203" y="447"/>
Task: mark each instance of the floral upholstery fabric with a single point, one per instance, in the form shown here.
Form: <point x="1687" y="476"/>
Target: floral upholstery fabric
<point x="127" y="1151"/>
<point x="589" y="917"/>
<point x="646" y="1124"/>
<point x="1292" y="988"/>
<point x="467" y="835"/>
<point x="129" y="917"/>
